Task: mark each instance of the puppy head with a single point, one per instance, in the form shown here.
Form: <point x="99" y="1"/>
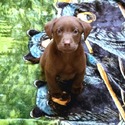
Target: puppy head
<point x="66" y="32"/>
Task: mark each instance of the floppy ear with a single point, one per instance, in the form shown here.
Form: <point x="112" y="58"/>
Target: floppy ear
<point x="86" y="28"/>
<point x="49" y="26"/>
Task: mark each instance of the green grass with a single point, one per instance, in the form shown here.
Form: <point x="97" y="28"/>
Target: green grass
<point x="27" y="122"/>
<point x="17" y="92"/>
<point x="5" y="44"/>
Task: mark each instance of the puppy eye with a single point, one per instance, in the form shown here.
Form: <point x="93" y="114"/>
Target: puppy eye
<point x="59" y="31"/>
<point x="75" y="31"/>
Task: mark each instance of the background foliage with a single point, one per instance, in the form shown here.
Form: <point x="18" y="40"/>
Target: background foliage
<point x="17" y="93"/>
<point x="26" y="14"/>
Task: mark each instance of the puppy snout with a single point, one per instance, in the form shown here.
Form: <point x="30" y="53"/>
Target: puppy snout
<point x="67" y="43"/>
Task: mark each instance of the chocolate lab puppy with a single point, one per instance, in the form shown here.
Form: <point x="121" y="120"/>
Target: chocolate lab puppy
<point x="64" y="57"/>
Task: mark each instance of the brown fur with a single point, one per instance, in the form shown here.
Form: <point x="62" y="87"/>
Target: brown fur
<point x="64" y="56"/>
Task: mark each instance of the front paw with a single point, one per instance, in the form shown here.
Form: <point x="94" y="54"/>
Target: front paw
<point x="77" y="90"/>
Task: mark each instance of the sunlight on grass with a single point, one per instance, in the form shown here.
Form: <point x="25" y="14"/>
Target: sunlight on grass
<point x="5" y="43"/>
<point x="17" y="93"/>
<point x="27" y="122"/>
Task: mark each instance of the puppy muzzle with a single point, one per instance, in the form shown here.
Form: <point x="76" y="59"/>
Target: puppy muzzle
<point x="67" y="47"/>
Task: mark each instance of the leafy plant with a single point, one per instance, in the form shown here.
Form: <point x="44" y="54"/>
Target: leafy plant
<point x="23" y="15"/>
